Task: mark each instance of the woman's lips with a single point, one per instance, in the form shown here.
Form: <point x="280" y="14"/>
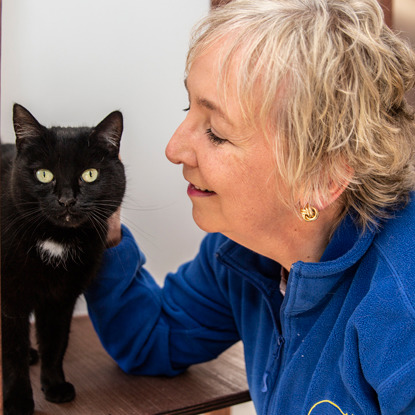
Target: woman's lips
<point x="196" y="191"/>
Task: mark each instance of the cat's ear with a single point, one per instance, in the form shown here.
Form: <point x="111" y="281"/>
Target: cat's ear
<point x="109" y="131"/>
<point x="26" y="126"/>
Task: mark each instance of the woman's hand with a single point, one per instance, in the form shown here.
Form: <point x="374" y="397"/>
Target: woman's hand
<point x="114" y="229"/>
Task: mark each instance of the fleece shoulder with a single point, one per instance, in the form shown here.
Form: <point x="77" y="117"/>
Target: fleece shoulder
<point x="395" y="244"/>
<point x="385" y="318"/>
<point x="397" y="237"/>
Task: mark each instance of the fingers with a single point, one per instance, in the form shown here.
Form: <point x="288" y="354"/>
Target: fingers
<point x="114" y="229"/>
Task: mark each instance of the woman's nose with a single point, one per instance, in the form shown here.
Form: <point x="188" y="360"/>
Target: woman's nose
<point x="180" y="150"/>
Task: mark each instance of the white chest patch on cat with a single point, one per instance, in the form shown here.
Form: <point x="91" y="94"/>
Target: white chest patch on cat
<point x="54" y="253"/>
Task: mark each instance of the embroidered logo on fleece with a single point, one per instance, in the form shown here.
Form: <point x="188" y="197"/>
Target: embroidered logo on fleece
<point x="326" y="402"/>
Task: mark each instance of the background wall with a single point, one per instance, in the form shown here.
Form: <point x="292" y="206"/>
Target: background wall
<point x="403" y="21"/>
<point x="73" y="62"/>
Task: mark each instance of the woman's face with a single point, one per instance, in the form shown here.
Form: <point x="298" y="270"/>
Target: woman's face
<point x="230" y="167"/>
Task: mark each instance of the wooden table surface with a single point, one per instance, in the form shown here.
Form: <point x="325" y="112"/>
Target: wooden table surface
<point x="103" y="389"/>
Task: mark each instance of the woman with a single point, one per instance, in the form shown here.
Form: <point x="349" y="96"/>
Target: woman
<point x="298" y="147"/>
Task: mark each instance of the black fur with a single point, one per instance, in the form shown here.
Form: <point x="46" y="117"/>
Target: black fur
<point x="52" y="238"/>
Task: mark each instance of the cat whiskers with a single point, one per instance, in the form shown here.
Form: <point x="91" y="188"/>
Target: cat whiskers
<point x="19" y="227"/>
<point x="20" y="219"/>
<point x="130" y="204"/>
<point x="99" y="212"/>
<point x="98" y="219"/>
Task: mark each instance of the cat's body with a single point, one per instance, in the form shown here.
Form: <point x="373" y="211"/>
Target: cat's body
<point x="59" y="186"/>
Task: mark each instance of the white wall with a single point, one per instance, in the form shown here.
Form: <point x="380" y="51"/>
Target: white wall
<point x="71" y="62"/>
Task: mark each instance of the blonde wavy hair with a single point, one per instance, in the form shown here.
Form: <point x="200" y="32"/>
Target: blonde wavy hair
<point x="331" y="78"/>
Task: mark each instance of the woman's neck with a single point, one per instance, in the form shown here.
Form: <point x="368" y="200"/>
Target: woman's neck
<point x="296" y="241"/>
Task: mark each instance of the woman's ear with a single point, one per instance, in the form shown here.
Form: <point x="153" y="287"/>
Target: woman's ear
<point x="331" y="192"/>
<point x="336" y="190"/>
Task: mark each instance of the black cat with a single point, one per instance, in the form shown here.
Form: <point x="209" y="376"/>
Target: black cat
<point x="59" y="186"/>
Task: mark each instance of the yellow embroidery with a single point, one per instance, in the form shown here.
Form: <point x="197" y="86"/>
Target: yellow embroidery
<point x="329" y="402"/>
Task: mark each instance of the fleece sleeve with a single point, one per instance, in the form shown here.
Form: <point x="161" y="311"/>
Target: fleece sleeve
<point x="151" y="330"/>
<point x="386" y="339"/>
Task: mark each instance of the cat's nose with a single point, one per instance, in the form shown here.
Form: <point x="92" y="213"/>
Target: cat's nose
<point x="66" y="201"/>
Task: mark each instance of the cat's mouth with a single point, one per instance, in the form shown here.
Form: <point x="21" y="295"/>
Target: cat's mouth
<point x="70" y="219"/>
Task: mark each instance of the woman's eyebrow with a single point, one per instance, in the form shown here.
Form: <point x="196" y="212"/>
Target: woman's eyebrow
<point x="210" y="106"/>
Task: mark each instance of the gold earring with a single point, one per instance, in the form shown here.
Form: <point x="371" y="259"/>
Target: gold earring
<point x="309" y="213"/>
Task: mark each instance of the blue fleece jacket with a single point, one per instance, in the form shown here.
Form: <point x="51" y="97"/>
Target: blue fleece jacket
<point x="341" y="341"/>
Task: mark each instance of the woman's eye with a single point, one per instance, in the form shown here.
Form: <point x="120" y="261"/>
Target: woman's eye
<point x="89" y="175"/>
<point x="214" y="138"/>
<point x="44" y="175"/>
<point x="186" y="109"/>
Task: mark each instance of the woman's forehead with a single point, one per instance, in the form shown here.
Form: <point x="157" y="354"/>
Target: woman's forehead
<point x="217" y="79"/>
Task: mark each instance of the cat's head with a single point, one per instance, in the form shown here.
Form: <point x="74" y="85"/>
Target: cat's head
<point x="68" y="176"/>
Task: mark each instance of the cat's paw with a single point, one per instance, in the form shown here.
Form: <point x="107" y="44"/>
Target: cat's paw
<point x="63" y="392"/>
<point x="33" y="356"/>
<point x="20" y="406"/>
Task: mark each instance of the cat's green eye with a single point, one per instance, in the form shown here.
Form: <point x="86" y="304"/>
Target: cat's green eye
<point x="90" y="175"/>
<point x="44" y="175"/>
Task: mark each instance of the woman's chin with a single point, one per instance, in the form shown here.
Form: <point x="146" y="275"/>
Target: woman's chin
<point x="205" y="223"/>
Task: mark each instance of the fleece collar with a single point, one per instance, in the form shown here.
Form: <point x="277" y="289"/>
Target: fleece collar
<point x="345" y="249"/>
<point x="308" y="283"/>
